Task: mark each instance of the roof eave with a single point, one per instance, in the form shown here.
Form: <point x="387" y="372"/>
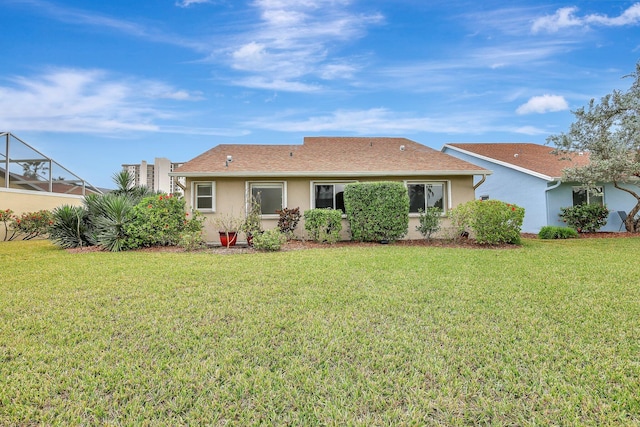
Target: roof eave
<point x="331" y="174"/>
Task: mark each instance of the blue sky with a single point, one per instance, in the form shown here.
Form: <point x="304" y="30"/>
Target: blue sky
<point x="98" y="84"/>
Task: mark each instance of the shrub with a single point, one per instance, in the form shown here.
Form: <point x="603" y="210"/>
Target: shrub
<point x="269" y="240"/>
<point x="156" y="221"/>
<point x="323" y="225"/>
<point x="377" y="210"/>
<point x="585" y="218"/>
<point x="70" y="228"/>
<point x="28" y="225"/>
<point x="191" y="240"/>
<point x="429" y="221"/>
<point x="554" y="232"/>
<point x="288" y="220"/>
<point x="491" y="221"/>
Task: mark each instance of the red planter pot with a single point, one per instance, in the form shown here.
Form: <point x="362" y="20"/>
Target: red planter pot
<point x="228" y="238"/>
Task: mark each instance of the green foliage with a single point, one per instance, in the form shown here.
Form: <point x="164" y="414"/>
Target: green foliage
<point x="191" y="240"/>
<point x="157" y="221"/>
<point x="28" y="225"/>
<point x="608" y="131"/>
<point x="585" y="218"/>
<point x="288" y="220"/>
<point x="70" y="227"/>
<point x="491" y="221"/>
<point x="323" y="225"/>
<point x="127" y="218"/>
<point x="124" y="181"/>
<point x="269" y="240"/>
<point x="554" y="232"/>
<point x="252" y="224"/>
<point x="377" y="210"/>
<point x="429" y="222"/>
<point x="109" y="215"/>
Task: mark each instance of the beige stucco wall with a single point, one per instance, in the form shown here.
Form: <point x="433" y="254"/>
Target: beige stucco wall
<point x="21" y="201"/>
<point x="230" y="199"/>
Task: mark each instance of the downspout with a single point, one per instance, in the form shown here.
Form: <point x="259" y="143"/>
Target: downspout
<point x="546" y="197"/>
<point x="176" y="182"/>
<point x="479" y="183"/>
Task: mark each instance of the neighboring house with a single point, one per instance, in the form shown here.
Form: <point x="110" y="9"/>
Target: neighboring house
<point x="530" y="175"/>
<point x="31" y="181"/>
<point x="155" y="176"/>
<point x="313" y="175"/>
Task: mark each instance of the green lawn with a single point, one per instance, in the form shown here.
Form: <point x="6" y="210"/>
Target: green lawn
<point x="545" y="334"/>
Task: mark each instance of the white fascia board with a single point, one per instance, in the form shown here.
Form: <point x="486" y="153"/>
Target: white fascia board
<point x="501" y="163"/>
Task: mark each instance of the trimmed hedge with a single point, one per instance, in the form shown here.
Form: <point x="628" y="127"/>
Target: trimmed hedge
<point x="323" y="225"/>
<point x="377" y="210"/>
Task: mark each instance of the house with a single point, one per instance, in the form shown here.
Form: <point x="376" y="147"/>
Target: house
<point x="313" y="175"/>
<point x="31" y="181"/>
<point x="530" y="175"/>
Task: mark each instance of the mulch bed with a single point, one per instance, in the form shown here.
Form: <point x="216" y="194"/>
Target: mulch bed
<point x="294" y="245"/>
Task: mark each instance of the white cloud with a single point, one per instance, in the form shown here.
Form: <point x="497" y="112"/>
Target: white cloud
<point x="295" y="40"/>
<point x="90" y="101"/>
<point x="373" y="121"/>
<point x="530" y="130"/>
<point x="187" y="3"/>
<point x="631" y="16"/>
<point x="334" y="71"/>
<point x="257" y="82"/>
<point x="566" y="18"/>
<point x="543" y="104"/>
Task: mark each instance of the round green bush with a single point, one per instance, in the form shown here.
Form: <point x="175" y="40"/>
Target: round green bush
<point x="269" y="240"/>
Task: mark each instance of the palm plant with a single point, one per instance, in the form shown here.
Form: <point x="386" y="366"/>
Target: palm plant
<point x="70" y="227"/>
<point x="109" y="215"/>
<point x="125" y="185"/>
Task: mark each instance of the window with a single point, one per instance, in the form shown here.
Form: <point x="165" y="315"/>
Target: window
<point x="424" y="195"/>
<point x="593" y="196"/>
<point x="270" y="196"/>
<point x="204" y="195"/>
<point x="329" y="195"/>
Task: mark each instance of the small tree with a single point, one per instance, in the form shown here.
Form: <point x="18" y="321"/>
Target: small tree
<point x="429" y="221"/>
<point x="610" y="132"/>
<point x="252" y="224"/>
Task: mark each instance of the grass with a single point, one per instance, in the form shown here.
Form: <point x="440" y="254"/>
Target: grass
<point x="547" y="334"/>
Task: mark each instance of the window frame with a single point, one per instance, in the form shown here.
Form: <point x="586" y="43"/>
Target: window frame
<point x="249" y="185"/>
<point x="312" y="191"/>
<point x="596" y="191"/>
<point x="446" y="196"/>
<point x="195" y="197"/>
